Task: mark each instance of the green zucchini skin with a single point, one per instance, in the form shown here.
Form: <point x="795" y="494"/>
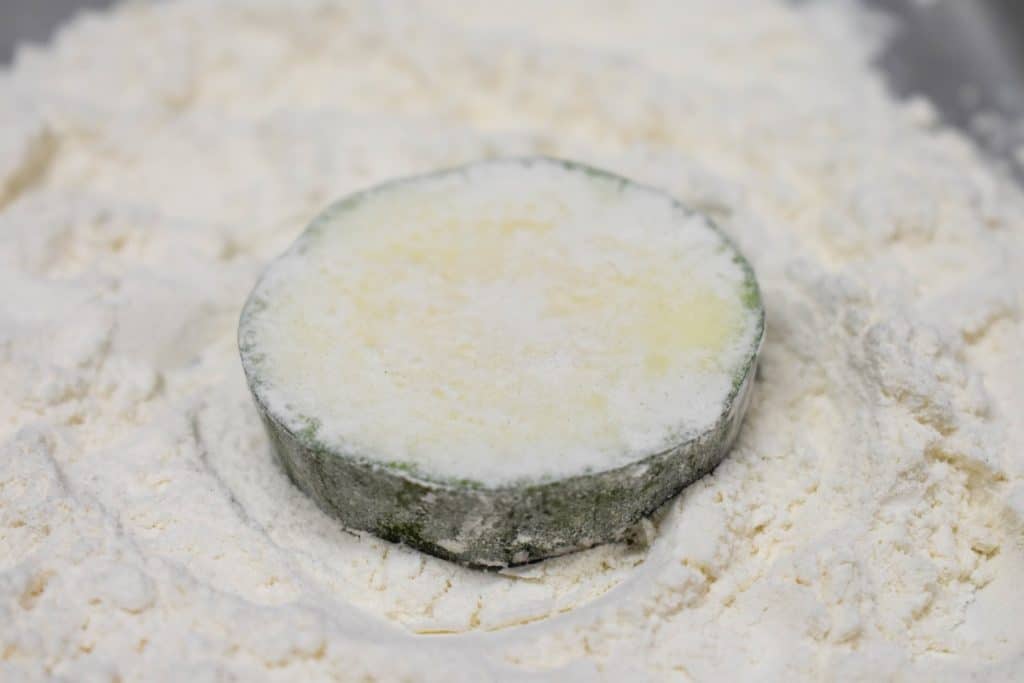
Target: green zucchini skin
<point x="505" y="526"/>
<point x="491" y="527"/>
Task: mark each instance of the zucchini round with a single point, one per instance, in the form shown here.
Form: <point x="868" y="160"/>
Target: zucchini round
<point x="505" y="361"/>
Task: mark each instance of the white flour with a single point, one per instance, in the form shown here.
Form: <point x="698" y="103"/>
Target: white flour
<point x="867" y="526"/>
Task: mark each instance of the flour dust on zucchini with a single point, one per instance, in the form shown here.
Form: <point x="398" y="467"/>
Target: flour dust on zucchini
<point x="505" y="361"/>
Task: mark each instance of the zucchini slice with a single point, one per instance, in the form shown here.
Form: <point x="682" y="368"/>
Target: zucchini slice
<point x="504" y="361"/>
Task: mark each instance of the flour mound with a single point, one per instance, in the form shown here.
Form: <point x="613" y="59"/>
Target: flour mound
<point x="154" y="159"/>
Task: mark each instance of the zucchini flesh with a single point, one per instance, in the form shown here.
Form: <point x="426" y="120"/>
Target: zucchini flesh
<point x="505" y="361"/>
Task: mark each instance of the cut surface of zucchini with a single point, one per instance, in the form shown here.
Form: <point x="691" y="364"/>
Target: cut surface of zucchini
<point x="504" y="361"/>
